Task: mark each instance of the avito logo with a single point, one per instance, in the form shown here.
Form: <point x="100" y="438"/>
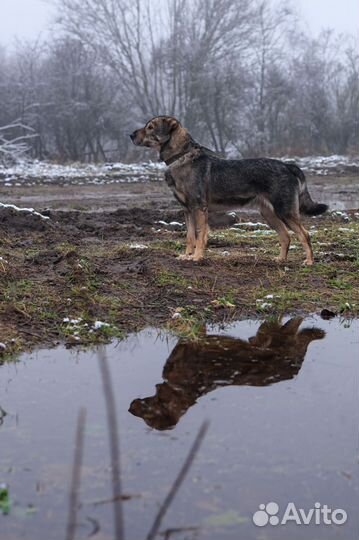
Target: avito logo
<point x="319" y="515"/>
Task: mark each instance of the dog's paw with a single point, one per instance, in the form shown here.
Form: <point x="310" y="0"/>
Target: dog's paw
<point x="308" y="262"/>
<point x="185" y="257"/>
<point x="280" y="260"/>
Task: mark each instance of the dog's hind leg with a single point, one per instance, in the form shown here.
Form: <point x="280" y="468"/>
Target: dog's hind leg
<point x="268" y="213"/>
<point x="293" y="222"/>
<point x="201" y="216"/>
<point x="191" y="236"/>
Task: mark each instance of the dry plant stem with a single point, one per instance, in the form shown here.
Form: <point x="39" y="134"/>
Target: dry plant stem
<point x="76" y="475"/>
<point x="112" y="424"/>
<point x="178" y="481"/>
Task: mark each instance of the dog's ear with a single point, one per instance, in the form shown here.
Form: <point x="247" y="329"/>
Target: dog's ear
<point x="291" y="327"/>
<point x="165" y="128"/>
<point x="173" y="124"/>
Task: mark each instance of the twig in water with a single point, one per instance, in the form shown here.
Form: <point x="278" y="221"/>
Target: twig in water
<point x="76" y="475"/>
<point x="2" y="415"/>
<point x="167" y="534"/>
<point x="123" y="497"/>
<point x="178" y="481"/>
<point x="95" y="526"/>
<point x="114" y="445"/>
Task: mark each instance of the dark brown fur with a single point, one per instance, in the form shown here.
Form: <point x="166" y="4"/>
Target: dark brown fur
<point x="203" y="182"/>
<point x="276" y="353"/>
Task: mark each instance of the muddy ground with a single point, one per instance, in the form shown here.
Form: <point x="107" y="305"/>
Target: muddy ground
<point x="92" y="272"/>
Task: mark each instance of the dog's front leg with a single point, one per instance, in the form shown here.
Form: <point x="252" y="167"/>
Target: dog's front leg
<point x="191" y="235"/>
<point x="191" y="232"/>
<point x="201" y="217"/>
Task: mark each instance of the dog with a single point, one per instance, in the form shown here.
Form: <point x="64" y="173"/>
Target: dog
<point x="203" y="182"/>
<point x="276" y="353"/>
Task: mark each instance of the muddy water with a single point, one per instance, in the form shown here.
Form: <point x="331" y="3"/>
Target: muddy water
<point x="282" y="406"/>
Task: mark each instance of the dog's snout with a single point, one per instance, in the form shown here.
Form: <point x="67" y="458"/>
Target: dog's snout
<point x="132" y="135"/>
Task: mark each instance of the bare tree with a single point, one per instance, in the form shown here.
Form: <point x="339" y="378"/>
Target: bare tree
<point x="161" y="56"/>
<point x="241" y="75"/>
<point x="78" y="103"/>
<point x="14" y="143"/>
<point x="345" y="88"/>
<point x="269" y="85"/>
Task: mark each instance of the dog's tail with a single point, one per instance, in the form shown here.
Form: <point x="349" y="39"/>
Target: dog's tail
<point x="306" y="204"/>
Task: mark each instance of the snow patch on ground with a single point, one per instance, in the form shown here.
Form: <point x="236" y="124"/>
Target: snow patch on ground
<point x="35" y="172"/>
<point x="28" y="210"/>
<point x="325" y="165"/>
<point x="71" y="321"/>
<point x="42" y="172"/>
<point x="99" y="324"/>
<point x="137" y="246"/>
<point x="171" y="224"/>
<point x="76" y="326"/>
<point x="250" y="224"/>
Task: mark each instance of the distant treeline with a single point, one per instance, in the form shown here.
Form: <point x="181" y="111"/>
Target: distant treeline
<point x="241" y="75"/>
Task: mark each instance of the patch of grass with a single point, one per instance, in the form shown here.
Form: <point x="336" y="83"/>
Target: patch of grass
<point x="5" y="501"/>
<point x="340" y="283"/>
<point x="166" y="278"/>
<point x="175" y="246"/>
<point x="130" y="289"/>
<point x="14" y="290"/>
<point x="30" y="253"/>
<point x="227" y="300"/>
<point x="66" y="248"/>
<point x="108" y="301"/>
<point x="187" y="322"/>
<point x="87" y="331"/>
<point x="319" y="268"/>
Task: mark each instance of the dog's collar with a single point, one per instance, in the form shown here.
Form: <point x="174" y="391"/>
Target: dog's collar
<point x="191" y="145"/>
<point x="175" y="157"/>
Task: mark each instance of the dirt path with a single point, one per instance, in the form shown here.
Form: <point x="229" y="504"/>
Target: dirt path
<point x="340" y="192"/>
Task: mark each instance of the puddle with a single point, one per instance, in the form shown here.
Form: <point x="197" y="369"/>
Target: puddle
<point x="282" y="406"/>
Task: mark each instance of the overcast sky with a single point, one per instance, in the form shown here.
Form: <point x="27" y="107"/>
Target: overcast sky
<point x="29" y="18"/>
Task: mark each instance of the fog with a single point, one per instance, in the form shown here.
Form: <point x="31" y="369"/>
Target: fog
<point x="28" y="19"/>
<point x="246" y="77"/>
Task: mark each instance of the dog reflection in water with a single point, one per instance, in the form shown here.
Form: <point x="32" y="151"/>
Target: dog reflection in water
<point x="274" y="354"/>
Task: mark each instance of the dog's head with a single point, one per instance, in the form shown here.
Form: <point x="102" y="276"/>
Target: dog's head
<point x="156" y="132"/>
<point x="164" y="409"/>
<point x="155" y="413"/>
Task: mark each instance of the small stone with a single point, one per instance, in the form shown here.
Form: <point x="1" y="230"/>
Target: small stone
<point x="327" y="314"/>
